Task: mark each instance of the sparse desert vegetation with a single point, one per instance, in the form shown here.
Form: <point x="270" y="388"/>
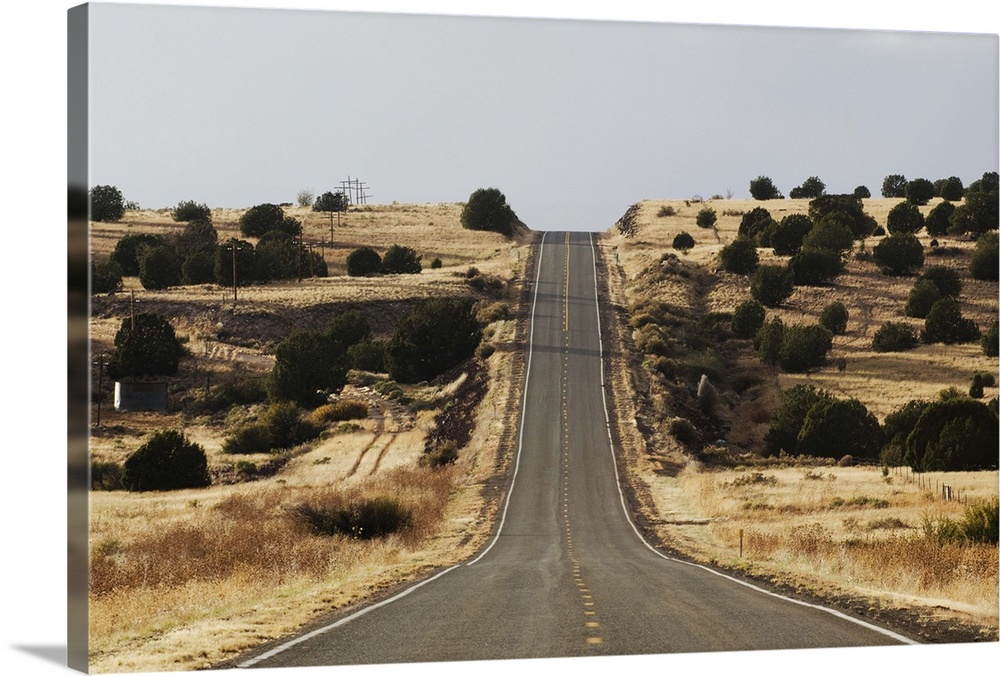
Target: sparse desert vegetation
<point x="312" y="488"/>
<point x="836" y="509"/>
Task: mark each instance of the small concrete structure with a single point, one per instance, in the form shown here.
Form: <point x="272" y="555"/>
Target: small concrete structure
<point x="141" y="396"/>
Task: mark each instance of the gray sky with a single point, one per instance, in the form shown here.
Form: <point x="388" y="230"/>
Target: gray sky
<point x="572" y="119"/>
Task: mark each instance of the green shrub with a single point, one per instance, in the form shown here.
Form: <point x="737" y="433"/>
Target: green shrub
<point x="804" y="347"/>
<point x="748" y="318"/>
<point x="946" y="279"/>
<point x="771" y="285"/>
<point x="666" y="211"/>
<point x="953" y="435"/>
<point x="198" y="268"/>
<point x="308" y="367"/>
<point x="260" y="219"/>
<point x="105" y="277"/>
<point x="106" y="204"/>
<point x="985" y="262"/>
<point x="767" y="341"/>
<point x="349" y="328"/>
<point x="862" y="192"/>
<point x="945" y="324"/>
<point x="368" y="355"/>
<point x="787" y="235"/>
<point x="683" y="431"/>
<point x="331" y="201"/>
<point x="904" y="217"/>
<point x="897" y="428"/>
<point x="149" y="348"/>
<point x="249" y="439"/>
<point x="287" y="427"/>
<point x="191" y="211"/>
<point x="976" y="390"/>
<point x="754" y="222"/>
<point x="159" y="268"/>
<point x="849" y="210"/>
<point x="706" y="218"/>
<point x="977" y="214"/>
<point x="436" y="335"/>
<point x="401" y="260"/>
<point x="815" y="267"/>
<point x="834" y="317"/>
<point x="939" y="219"/>
<point x="278" y="257"/>
<point x="762" y="188"/>
<point x="899" y="254"/>
<point x="739" y="256"/>
<point x="980" y="521"/>
<point x="832" y="232"/>
<point x="922" y="297"/>
<point x="788" y="417"/>
<point x="443" y="454"/>
<point x="894" y="185"/>
<point x="894" y="337"/>
<point x="364" y="519"/>
<point x="952" y="189"/>
<point x="363" y="261"/>
<point x="919" y="191"/>
<point x="245" y="264"/>
<point x="436" y="264"/>
<point x="990" y="341"/>
<point x="683" y="242"/>
<point x="833" y="428"/>
<point x="487" y="209"/>
<point x="166" y="461"/>
<point x="811" y="188"/>
<point x="129" y="250"/>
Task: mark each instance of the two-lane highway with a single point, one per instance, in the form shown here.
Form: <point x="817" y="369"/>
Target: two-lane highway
<point x="567" y="573"/>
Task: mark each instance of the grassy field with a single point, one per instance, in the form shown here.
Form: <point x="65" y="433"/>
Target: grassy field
<point x="186" y="579"/>
<point x="834" y="531"/>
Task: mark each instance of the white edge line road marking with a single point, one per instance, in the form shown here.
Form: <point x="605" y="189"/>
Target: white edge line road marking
<point x="353" y="616"/>
<point x="628" y="517"/>
<point x="524" y="407"/>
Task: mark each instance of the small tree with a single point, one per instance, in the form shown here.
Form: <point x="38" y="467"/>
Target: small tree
<point x="198" y="268"/>
<point x="834" y="317"/>
<point x="683" y="242"/>
<point x="990" y="182"/>
<point x="894" y="185"/>
<point x="771" y="284"/>
<point x="832" y="232"/>
<point x="487" y="209"/>
<point x="904" y="217"/>
<point x="945" y="279"/>
<point x="331" y="201"/>
<point x="130" y="248"/>
<point x="990" y="341"/>
<point x="262" y="218"/>
<point x="349" y="328"/>
<point x="788" y="416"/>
<point x="106" y="204"/>
<point x="105" y="277"/>
<point x="308" y="367"/>
<point x="436" y="335"/>
<point x="952" y="189"/>
<point x="945" y="324"/>
<point x="363" y="261"/>
<point x="159" y="268"/>
<point x="938" y="220"/>
<point x="748" y="318"/>
<point x="277" y="258"/>
<point x="401" y="260"/>
<point x="815" y="266"/>
<point x="894" y="337"/>
<point x="833" y="428"/>
<point x="976" y="215"/>
<point x="811" y="188"/>
<point x="804" y="347"/>
<point x="304" y="198"/>
<point x="762" y="188"/>
<point x="149" y="347"/>
<point x="706" y="218"/>
<point x="922" y="297"/>
<point x="167" y="461"/>
<point x="246" y="263"/>
<point x="739" y="256"/>
<point x="862" y="192"/>
<point x="919" y="191"/>
<point x="897" y="427"/>
<point x="754" y="222"/>
<point x="197" y="236"/>
<point x="849" y="210"/>
<point x="191" y="211"/>
<point x="786" y="238"/>
<point x="955" y="434"/>
<point x="985" y="261"/>
<point x="767" y="341"/>
<point x="899" y="254"/>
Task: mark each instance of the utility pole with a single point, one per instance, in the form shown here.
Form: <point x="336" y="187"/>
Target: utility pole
<point x="234" y="247"/>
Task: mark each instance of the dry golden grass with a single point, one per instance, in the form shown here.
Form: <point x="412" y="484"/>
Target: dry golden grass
<point x="847" y="528"/>
<point x="186" y="579"/>
<point x="824" y="533"/>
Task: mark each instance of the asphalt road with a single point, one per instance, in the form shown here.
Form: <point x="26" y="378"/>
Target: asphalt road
<point x="567" y="573"/>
